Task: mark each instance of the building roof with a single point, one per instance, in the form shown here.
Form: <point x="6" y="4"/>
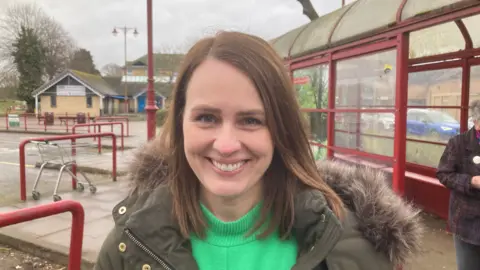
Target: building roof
<point x="93" y="82"/>
<point x="136" y="88"/>
<point x="105" y="86"/>
<point x="162" y="61"/>
<point x="356" y="21"/>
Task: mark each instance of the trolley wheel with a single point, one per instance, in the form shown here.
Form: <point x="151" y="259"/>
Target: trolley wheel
<point x="56" y="198"/>
<point x="36" y="195"/>
<point x="80" y="187"/>
<point x="93" y="189"/>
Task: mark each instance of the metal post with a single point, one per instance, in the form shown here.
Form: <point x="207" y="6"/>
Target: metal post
<point x="331" y="105"/>
<point x="151" y="107"/>
<point x="125" y="30"/>
<point x="125" y="70"/>
<point x="400" y="137"/>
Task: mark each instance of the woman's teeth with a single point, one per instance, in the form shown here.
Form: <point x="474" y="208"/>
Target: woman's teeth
<point x="228" y="167"/>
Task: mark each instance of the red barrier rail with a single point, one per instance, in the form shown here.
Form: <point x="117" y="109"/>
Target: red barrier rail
<point x="115" y="118"/>
<point x="99" y="131"/>
<point x="50" y="209"/>
<point x="36" y="122"/>
<point x="23" y="180"/>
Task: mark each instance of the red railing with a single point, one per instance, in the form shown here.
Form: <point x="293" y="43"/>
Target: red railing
<point x="33" y="122"/>
<point x="116" y="119"/>
<point x="50" y="209"/>
<point x="23" y="181"/>
<point x="99" y="125"/>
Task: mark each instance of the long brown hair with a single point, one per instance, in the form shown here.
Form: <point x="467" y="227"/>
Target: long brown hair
<point x="293" y="166"/>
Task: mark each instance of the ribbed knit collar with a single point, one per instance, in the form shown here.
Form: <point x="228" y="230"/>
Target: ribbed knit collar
<point x="232" y="233"/>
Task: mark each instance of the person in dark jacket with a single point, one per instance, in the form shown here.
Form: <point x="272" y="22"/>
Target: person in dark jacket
<point x="231" y="183"/>
<point x="459" y="171"/>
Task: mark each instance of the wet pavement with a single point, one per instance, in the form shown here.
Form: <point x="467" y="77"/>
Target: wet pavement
<point x="52" y="234"/>
<point x="98" y="166"/>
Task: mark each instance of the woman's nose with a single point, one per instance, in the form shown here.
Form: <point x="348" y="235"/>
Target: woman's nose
<point x="226" y="141"/>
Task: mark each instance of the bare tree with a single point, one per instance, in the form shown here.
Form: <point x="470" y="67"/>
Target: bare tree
<point x="58" y="43"/>
<point x="308" y="9"/>
<point x="112" y="70"/>
<point x="8" y="83"/>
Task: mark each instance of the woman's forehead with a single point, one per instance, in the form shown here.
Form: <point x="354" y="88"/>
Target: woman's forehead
<point x="221" y="86"/>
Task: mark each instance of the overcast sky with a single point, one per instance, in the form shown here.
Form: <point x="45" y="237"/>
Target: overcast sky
<point x="90" y="22"/>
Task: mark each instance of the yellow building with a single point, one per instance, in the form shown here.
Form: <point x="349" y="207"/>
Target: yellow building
<point x="73" y="92"/>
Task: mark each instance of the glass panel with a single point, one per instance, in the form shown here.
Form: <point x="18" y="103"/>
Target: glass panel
<point x="358" y="20"/>
<point x="416" y="7"/>
<point x="316" y="35"/>
<point x="435" y="88"/>
<point x="423" y="153"/>
<point x="283" y="43"/>
<point x="319" y="153"/>
<point x="367" y="132"/>
<point x="366" y="81"/>
<point x="474" y="90"/>
<point x="472" y="24"/>
<point x="312" y="86"/>
<point x="317" y="126"/>
<point x="436" y="125"/>
<point x="443" y="38"/>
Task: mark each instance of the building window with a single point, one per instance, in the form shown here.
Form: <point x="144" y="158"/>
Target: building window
<point x="53" y="101"/>
<point x="89" y="101"/>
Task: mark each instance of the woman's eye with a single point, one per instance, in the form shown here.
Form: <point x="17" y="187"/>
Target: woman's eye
<point x="252" y="121"/>
<point x="205" y="118"/>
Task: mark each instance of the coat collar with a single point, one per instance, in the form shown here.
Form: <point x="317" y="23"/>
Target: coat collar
<point x="471" y="140"/>
<point x="316" y="228"/>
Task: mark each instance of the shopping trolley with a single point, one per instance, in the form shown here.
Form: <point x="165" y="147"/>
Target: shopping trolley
<point x="58" y="154"/>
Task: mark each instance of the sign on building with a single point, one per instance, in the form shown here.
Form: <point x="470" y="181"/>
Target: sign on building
<point x="71" y="90"/>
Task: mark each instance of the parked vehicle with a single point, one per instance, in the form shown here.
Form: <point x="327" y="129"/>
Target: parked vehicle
<point x="436" y="124"/>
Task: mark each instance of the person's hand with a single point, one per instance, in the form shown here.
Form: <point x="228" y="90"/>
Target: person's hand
<point x="476" y="182"/>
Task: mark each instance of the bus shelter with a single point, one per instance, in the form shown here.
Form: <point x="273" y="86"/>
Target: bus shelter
<point x="386" y="84"/>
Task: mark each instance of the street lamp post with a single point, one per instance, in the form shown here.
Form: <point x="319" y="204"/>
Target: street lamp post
<point x="125" y="30"/>
<point x="151" y="107"/>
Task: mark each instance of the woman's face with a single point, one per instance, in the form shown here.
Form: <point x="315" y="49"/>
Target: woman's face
<point x="227" y="142"/>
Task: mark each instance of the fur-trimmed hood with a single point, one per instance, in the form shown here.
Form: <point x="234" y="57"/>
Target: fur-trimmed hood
<point x="392" y="225"/>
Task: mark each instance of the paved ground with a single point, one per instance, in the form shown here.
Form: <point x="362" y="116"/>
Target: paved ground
<point x="87" y="157"/>
<point x="53" y="233"/>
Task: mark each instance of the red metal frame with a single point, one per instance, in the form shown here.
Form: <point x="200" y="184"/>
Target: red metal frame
<point x="116" y="118"/>
<point x="310" y="63"/>
<point x="465" y="96"/>
<point x="474" y="61"/>
<point x="50" y="209"/>
<point x="418" y="183"/>
<point x="332" y="82"/>
<point x="365" y="50"/>
<point x="23" y="178"/>
<point x="100" y="125"/>
<point x="444" y="57"/>
<point x="151" y="107"/>
<point x="401" y="97"/>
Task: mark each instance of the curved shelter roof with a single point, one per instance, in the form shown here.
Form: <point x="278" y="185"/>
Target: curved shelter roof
<point x="360" y="19"/>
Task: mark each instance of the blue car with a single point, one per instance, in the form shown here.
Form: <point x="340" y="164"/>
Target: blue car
<point x="433" y="123"/>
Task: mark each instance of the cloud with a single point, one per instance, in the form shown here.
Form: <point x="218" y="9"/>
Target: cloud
<point x="91" y="22"/>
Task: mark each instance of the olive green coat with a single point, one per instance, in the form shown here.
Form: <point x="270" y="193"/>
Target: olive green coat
<point x="379" y="231"/>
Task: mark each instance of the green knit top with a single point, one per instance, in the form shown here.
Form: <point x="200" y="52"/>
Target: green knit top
<point x="226" y="246"/>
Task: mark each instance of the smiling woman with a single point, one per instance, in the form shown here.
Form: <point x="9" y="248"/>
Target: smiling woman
<point x="235" y="165"/>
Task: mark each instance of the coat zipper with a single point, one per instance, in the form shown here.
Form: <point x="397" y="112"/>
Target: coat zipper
<point x="147" y="250"/>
